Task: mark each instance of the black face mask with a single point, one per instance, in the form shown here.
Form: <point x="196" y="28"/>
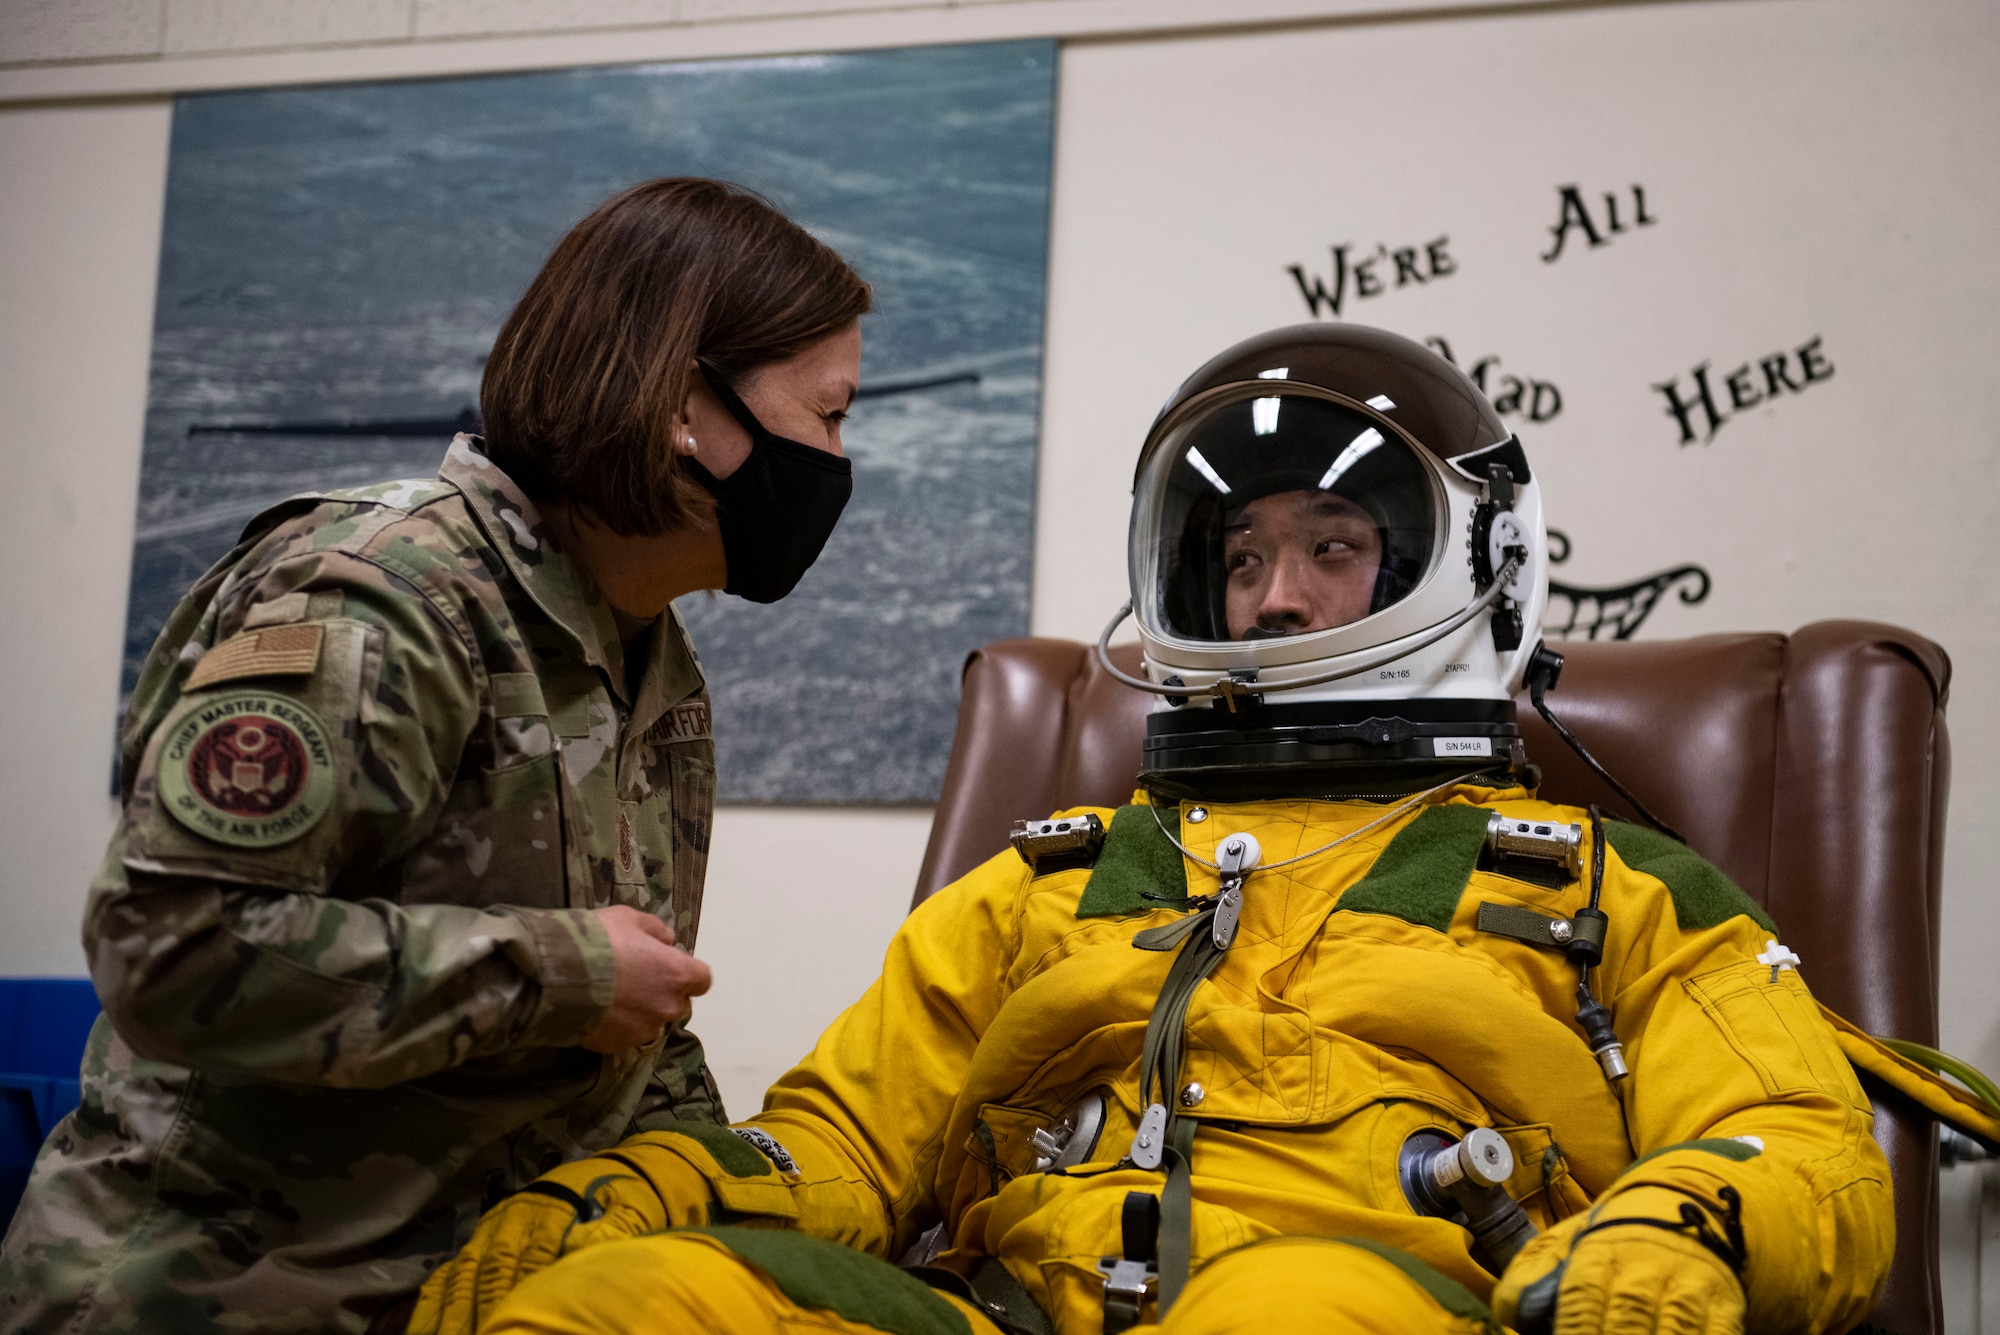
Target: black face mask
<point x="777" y="509"/>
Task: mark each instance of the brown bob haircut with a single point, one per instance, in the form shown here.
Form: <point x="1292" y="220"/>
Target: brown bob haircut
<point x="597" y="360"/>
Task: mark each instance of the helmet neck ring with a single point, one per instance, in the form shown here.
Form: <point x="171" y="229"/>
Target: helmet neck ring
<point x="1323" y="747"/>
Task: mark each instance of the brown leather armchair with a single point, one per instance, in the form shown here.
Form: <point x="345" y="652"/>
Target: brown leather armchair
<point x="1813" y="768"/>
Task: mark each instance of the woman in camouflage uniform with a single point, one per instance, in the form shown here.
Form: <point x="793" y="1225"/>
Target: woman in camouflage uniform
<point x="417" y="791"/>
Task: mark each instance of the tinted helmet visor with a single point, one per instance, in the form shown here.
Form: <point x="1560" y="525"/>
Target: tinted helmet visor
<point x="1281" y="515"/>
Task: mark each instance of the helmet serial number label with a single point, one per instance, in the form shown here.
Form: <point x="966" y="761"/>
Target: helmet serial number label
<point x="1463" y="746"/>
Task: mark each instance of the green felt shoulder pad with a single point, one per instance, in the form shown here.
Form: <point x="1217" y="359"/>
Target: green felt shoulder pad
<point x="1703" y="897"/>
<point x="733" y="1154"/>
<point x="813" y="1272"/>
<point x="1139" y="870"/>
<point x="1424" y="870"/>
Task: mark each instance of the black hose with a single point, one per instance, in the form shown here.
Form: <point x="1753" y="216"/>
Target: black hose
<point x="1535" y="688"/>
<point x="1596" y="854"/>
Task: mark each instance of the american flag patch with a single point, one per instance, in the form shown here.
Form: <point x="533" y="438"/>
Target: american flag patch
<point x="280" y="651"/>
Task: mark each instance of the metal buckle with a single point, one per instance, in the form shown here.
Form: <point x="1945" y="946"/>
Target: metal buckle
<point x="1127" y="1279"/>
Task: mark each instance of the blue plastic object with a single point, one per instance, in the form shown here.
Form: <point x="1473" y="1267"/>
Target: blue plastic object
<point x="43" y="1025"/>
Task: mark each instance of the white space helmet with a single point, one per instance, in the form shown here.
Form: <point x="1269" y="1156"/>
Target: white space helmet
<point x="1338" y="570"/>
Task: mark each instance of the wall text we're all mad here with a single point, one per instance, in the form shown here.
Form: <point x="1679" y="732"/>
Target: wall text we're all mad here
<point x="1785" y="372"/>
<point x="1366" y="274"/>
<point x="1699" y="404"/>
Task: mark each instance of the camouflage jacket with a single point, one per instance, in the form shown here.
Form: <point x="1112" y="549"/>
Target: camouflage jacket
<point x="379" y="769"/>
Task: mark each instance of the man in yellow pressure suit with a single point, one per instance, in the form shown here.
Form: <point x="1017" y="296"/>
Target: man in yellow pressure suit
<point x="1336" y="1027"/>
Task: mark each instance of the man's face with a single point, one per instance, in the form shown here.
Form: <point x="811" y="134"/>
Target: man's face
<point x="1299" y="561"/>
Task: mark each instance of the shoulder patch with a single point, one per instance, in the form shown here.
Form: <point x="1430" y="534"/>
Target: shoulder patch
<point x="770" y="1148"/>
<point x="1139" y="870"/>
<point x="1425" y="868"/>
<point x="1703" y="897"/>
<point x="247" y="769"/>
<point x="735" y="1155"/>
<point x="276" y="651"/>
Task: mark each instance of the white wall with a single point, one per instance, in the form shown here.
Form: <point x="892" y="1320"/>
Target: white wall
<point x="1818" y="166"/>
<point x="798" y="909"/>
<point x="79" y="249"/>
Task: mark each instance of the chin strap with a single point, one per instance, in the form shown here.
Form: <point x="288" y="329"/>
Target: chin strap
<point x="1231" y="687"/>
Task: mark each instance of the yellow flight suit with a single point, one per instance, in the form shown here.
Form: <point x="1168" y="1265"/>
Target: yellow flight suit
<point x="1360" y="1002"/>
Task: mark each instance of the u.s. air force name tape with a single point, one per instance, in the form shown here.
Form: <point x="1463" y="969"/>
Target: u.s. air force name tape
<point x="248" y="768"/>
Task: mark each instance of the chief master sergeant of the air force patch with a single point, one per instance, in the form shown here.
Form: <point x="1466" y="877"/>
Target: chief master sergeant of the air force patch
<point x="248" y="768"/>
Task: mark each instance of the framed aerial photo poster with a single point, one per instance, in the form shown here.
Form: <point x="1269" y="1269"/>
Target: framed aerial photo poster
<point x="337" y="261"/>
